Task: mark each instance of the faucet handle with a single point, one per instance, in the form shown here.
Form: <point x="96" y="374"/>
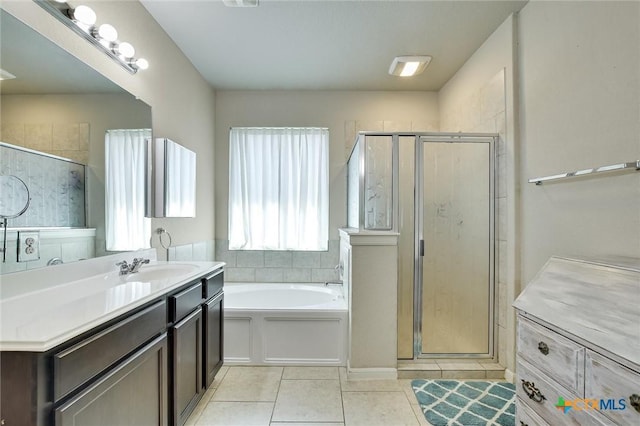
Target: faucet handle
<point x="123" y="263"/>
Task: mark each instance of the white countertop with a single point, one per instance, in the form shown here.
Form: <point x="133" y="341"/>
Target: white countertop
<point x="42" y="317"/>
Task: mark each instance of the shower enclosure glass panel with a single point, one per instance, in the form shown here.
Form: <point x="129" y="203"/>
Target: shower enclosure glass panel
<point x="456" y="266"/>
<point x="378" y="182"/>
<point x="406" y="244"/>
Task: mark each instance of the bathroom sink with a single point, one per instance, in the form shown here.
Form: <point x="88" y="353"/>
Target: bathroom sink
<point x="161" y="272"/>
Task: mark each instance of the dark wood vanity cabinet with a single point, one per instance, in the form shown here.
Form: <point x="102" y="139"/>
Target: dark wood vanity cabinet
<point x="150" y="366"/>
<point x="133" y="393"/>
<point x="213" y="337"/>
<point x="186" y="337"/>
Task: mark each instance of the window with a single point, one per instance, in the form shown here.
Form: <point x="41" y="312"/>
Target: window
<point x="278" y="188"/>
<point x="125" y="186"/>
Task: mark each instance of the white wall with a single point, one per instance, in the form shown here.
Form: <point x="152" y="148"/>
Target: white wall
<point x="343" y="112"/>
<point x="580" y="108"/>
<point x="182" y="101"/>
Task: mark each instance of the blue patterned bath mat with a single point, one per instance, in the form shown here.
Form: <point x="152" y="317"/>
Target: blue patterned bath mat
<point x="466" y="403"/>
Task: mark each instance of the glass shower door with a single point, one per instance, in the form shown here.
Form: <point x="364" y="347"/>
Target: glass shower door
<point x="457" y="249"/>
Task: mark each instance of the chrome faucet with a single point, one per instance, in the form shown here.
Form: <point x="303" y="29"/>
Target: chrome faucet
<point x="132" y="268"/>
<point x="137" y="263"/>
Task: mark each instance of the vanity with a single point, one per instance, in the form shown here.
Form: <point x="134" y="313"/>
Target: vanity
<point x="96" y="347"/>
<point x="578" y="344"/>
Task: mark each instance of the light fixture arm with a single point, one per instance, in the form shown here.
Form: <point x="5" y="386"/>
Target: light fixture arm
<point x="60" y="11"/>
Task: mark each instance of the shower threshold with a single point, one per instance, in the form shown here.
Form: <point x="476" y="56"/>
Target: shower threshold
<point x="450" y="369"/>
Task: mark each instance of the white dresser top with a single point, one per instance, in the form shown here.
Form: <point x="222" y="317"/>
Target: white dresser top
<point x="596" y="302"/>
<point x="41" y="317"/>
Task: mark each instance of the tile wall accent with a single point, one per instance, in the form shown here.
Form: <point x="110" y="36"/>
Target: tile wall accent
<point x="56" y="188"/>
<point x="485" y="111"/>
<point x="68" y="140"/>
<point x="201" y="251"/>
<point x="279" y="266"/>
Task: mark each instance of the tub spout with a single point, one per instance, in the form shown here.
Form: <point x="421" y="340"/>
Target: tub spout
<point x="326" y="283"/>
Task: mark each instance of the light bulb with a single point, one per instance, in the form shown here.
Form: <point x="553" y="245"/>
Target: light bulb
<point x="126" y="49"/>
<point x="142" y="63"/>
<point x="108" y="33"/>
<point x="84" y="14"/>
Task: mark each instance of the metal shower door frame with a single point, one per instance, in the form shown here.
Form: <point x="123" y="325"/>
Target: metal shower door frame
<point x="421" y="139"/>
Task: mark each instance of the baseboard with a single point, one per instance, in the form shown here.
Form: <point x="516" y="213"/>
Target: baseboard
<point x="509" y="376"/>
<point x="371" y="373"/>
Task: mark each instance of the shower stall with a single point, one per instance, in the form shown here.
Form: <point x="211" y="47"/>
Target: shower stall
<point x="437" y="191"/>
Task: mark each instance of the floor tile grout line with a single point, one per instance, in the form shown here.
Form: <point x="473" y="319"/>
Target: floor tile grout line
<point x="275" y="401"/>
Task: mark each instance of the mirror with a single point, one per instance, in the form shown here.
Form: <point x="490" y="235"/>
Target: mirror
<point x="58" y="108"/>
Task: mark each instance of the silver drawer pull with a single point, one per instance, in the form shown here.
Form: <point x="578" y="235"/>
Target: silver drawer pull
<point x="542" y="347"/>
<point x="635" y="401"/>
<point x="532" y="391"/>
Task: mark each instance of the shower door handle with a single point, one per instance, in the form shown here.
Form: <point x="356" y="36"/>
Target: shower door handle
<point x="421" y="247"/>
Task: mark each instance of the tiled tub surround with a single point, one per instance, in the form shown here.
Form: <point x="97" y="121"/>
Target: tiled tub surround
<point x="56" y="188"/>
<point x="279" y="266"/>
<point x="66" y="244"/>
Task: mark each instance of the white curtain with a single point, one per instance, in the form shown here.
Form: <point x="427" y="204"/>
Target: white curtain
<point x="125" y="185"/>
<point x="278" y="188"/>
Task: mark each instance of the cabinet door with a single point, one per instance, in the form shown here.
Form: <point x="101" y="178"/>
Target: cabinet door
<point x="187" y="365"/>
<point x="133" y="393"/>
<point x="213" y="336"/>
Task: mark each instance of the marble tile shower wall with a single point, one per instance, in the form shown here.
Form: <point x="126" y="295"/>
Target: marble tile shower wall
<point x="279" y="266"/>
<point x="56" y="187"/>
<point x="485" y="111"/>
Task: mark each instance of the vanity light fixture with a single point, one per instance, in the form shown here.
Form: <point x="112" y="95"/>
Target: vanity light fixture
<point x="125" y="50"/>
<point x="83" y="14"/>
<point x="408" y="66"/>
<point x="82" y="20"/>
<point x="106" y="33"/>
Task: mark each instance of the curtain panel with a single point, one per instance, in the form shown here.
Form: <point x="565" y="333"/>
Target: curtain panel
<point x="278" y="188"/>
<point x="126" y="226"/>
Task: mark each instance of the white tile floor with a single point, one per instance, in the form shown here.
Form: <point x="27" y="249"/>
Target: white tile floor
<point x="309" y="396"/>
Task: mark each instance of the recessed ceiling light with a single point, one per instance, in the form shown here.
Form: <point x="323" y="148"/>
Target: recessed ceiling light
<point x="6" y="75"/>
<point x="240" y="3"/>
<point x="407" y="66"/>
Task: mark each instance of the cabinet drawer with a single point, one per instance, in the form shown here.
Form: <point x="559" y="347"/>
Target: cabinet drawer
<point x="608" y="380"/>
<point x="552" y="353"/>
<point x="525" y="416"/>
<point x="184" y="302"/>
<point x="212" y="284"/>
<point x="132" y="393"/>
<point x="79" y="363"/>
<point x="547" y="396"/>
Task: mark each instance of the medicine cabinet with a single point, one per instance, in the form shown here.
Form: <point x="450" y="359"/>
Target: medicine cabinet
<point x="171" y="173"/>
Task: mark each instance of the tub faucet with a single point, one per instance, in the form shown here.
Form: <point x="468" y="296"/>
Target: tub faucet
<point x="327" y="283"/>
